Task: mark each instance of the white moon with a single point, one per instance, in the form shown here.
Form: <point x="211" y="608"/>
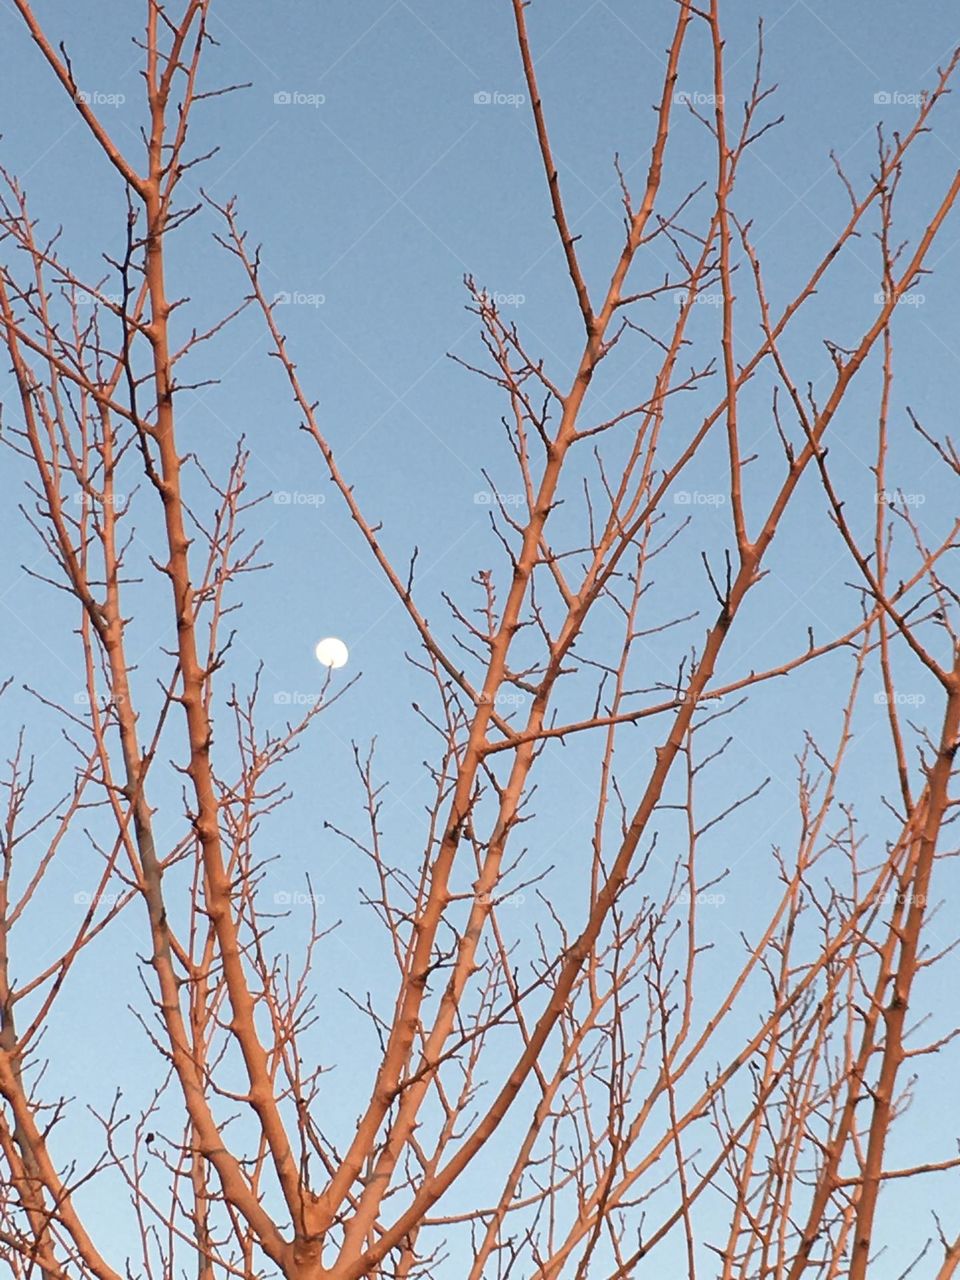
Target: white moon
<point x="332" y="652"/>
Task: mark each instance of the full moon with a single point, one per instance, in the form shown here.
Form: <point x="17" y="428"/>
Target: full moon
<point x="332" y="652"/>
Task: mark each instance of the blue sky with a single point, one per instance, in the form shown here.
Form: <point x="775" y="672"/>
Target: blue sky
<point x="375" y="179"/>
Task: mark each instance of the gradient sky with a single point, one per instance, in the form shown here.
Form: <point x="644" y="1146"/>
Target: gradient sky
<point x="375" y="190"/>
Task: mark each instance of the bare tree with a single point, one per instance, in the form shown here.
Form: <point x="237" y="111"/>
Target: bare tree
<point x="609" y="1094"/>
